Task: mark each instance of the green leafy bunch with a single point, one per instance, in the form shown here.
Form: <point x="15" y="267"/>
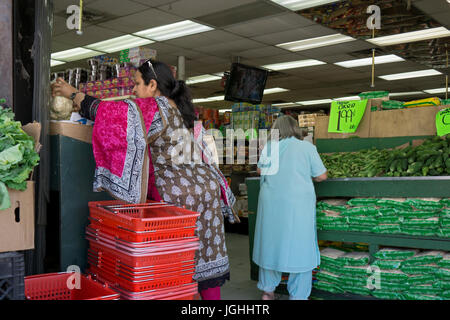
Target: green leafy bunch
<point x="17" y="156"/>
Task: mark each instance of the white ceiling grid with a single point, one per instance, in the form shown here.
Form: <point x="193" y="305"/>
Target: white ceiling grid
<point x="250" y="30"/>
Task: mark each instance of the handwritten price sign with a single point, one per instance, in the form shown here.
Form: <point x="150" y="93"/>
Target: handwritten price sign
<point x="345" y="116"/>
<point x="443" y="122"/>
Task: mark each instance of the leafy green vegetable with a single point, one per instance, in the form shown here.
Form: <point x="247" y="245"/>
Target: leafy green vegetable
<point x="17" y="156"/>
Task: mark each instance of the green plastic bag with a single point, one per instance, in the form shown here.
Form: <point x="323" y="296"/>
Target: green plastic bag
<point x="327" y="219"/>
<point x="387" y="212"/>
<point x="445" y="202"/>
<point x="328" y="277"/>
<point x="359" y="228"/>
<point x="420" y="204"/>
<point x="443" y="232"/>
<point x="425" y="269"/>
<point x="335" y="227"/>
<point x="393" y="204"/>
<point x="445" y="261"/>
<point x="360" y="211"/>
<point x="353" y="280"/>
<point x="446" y="295"/>
<point x="359" y="271"/>
<point x="425" y="289"/>
<point x="430" y="232"/>
<point x="393" y="286"/>
<point x="374" y="95"/>
<point x="330" y="256"/>
<point x="362" y="221"/>
<point x="387" y="228"/>
<point x="395" y="254"/>
<point x="441" y="284"/>
<point x="425" y="257"/>
<point x="416" y="214"/>
<point x="443" y="274"/>
<point x="327" y="286"/>
<point x="331" y="268"/>
<point x="392" y="105"/>
<point x="421" y="223"/>
<point x="362" y="202"/>
<point x="364" y="291"/>
<point x="393" y="276"/>
<point x="389" y="219"/>
<point x="387" y="264"/>
<point x="418" y="279"/>
<point x="444" y="222"/>
<point x="355" y="258"/>
<point x="388" y="295"/>
<point x="412" y="296"/>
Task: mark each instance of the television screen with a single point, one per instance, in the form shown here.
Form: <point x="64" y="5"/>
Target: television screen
<point x="245" y="84"/>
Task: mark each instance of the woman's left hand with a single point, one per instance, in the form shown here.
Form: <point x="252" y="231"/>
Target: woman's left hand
<point x="62" y="88"/>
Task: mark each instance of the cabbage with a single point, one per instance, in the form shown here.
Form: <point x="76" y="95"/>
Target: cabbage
<point x="17" y="156"/>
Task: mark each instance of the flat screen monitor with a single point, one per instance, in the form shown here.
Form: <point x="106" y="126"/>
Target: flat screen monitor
<point x="245" y="84"/>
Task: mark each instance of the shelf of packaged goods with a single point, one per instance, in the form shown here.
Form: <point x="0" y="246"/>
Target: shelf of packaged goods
<point x="437" y="186"/>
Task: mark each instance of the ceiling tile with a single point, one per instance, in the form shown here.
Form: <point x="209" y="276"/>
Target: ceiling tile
<point x="336" y="49"/>
<point x="267" y="51"/>
<point x="279" y="23"/>
<point x="204" y="39"/>
<point x="90" y="35"/>
<point x="58" y="46"/>
<point x="294" y="34"/>
<point x="227" y="48"/>
<point x="140" y="21"/>
<point x="118" y="8"/>
<point x="195" y="8"/>
<point x="154" y="3"/>
<point x="61" y="5"/>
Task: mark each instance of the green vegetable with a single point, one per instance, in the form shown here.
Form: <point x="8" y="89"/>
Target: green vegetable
<point x="17" y="155"/>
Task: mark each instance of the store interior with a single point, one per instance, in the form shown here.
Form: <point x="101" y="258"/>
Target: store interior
<point x="314" y="52"/>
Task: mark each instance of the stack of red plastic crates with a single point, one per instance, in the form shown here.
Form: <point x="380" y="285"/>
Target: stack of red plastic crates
<point x="144" y="251"/>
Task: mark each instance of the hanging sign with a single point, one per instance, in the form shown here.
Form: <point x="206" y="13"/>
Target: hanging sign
<point x="443" y="122"/>
<point x="374" y="21"/>
<point x="345" y="116"/>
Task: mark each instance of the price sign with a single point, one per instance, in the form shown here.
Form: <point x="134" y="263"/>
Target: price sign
<point x="443" y="122"/>
<point x="345" y="116"/>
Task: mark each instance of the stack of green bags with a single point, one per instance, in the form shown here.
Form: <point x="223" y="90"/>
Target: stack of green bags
<point x="329" y="215"/>
<point x="444" y="219"/>
<point x="342" y="272"/>
<point x="390" y="281"/>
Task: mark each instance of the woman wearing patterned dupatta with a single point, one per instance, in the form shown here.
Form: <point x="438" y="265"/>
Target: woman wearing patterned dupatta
<point x="162" y="118"/>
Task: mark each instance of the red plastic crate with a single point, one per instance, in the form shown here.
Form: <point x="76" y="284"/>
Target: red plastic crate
<point x="53" y="286"/>
<point x="141" y="285"/>
<point x="142" y="247"/>
<point x="183" y="292"/>
<point x="119" y="268"/>
<point x="145" y="260"/>
<point x="133" y="276"/>
<point x="142" y="236"/>
<point x="146" y="217"/>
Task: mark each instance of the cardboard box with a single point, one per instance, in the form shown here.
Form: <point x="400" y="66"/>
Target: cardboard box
<point x="17" y="222"/>
<point x="73" y="130"/>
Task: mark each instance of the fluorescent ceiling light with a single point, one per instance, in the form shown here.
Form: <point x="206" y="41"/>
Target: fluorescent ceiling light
<point x="225" y="110"/>
<point x="433" y="91"/>
<point x="55" y="63"/>
<point x="202" y="78"/>
<point x="286" y="104"/>
<point x="315" y="42"/>
<point x="347" y="98"/>
<point x="74" y="54"/>
<point x="200" y="100"/>
<point x="302" y="4"/>
<point x="119" y="43"/>
<point x="368" y="61"/>
<point x="399" y="94"/>
<point x="174" y="30"/>
<point x="275" y="90"/>
<point x="408" y="75"/>
<point x="412" y="36"/>
<point x="293" y="64"/>
<point x="313" y="102"/>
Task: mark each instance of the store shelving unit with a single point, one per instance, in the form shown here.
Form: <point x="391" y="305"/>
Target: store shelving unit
<point x="364" y="187"/>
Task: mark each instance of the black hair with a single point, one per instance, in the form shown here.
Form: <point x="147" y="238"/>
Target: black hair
<point x="174" y="89"/>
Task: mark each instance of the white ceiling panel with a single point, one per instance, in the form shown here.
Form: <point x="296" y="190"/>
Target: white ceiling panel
<point x="90" y="35"/>
<point x="267" y="51"/>
<point x="154" y="3"/>
<point x="341" y="48"/>
<point x="204" y="39"/>
<point x="279" y="23"/>
<point x="118" y="8"/>
<point x="58" y="46"/>
<point x="140" y="21"/>
<point x="195" y="8"/>
<point x="294" y="34"/>
<point x="224" y="49"/>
